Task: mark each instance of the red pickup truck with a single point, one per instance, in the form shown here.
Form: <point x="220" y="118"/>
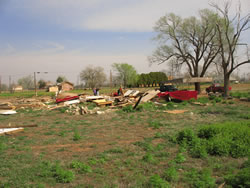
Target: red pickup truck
<point x="215" y="88"/>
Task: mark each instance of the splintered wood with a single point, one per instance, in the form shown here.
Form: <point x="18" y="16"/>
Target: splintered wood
<point x="175" y="111"/>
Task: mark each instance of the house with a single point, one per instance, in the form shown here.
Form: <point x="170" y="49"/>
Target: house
<point x="66" y="86"/>
<point x="17" y="88"/>
<point x="53" y="89"/>
<point x="48" y="84"/>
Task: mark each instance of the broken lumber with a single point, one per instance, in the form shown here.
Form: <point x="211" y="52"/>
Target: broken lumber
<point x="16" y="126"/>
<point x="10" y="131"/>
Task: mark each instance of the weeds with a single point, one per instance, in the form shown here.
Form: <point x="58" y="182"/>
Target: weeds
<point x="156" y="181"/>
<point x="76" y="136"/>
<point x="171" y="174"/>
<point x="80" y="167"/>
<point x="200" y="179"/>
<point x="242" y="178"/>
<point x="222" y="139"/>
<point x="47" y="169"/>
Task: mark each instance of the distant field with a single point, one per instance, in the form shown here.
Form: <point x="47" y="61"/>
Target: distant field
<point x="108" y="91"/>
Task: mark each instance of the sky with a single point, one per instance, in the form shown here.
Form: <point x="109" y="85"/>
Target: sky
<point x="62" y="37"/>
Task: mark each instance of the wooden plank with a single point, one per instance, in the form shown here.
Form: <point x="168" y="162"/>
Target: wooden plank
<point x="16" y="126"/>
<point x="107" y="103"/>
<point x="10" y="131"/>
<point x="149" y="95"/>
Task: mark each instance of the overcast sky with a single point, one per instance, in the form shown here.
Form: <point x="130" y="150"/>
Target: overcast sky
<point x="62" y="37"/>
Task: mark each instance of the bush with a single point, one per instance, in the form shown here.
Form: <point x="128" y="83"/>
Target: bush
<point x="47" y="169"/>
<point x="155" y="124"/>
<point x="185" y="137"/>
<point x="156" y="181"/>
<point x="242" y="178"/>
<point x="180" y="158"/>
<point x="200" y="179"/>
<point x="81" y="167"/>
<point x="61" y="175"/>
<point x="149" y="158"/>
<point x="171" y="174"/>
<point x="76" y="136"/>
<point x="223" y="139"/>
<point x="198" y="149"/>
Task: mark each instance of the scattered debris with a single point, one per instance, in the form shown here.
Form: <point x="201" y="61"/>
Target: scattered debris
<point x="7" y="106"/>
<point x="131" y="93"/>
<point x="71" y="102"/>
<point x="16" y="126"/>
<point x="200" y="104"/>
<point x="7" y="112"/>
<point x="149" y="95"/>
<point x="10" y="130"/>
<point x="91" y="98"/>
<point x="175" y="111"/>
<point x="244" y="99"/>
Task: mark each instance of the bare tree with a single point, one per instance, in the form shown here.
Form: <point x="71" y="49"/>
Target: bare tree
<point x="190" y="41"/>
<point x="93" y="76"/>
<point x="27" y="82"/>
<point x="229" y="31"/>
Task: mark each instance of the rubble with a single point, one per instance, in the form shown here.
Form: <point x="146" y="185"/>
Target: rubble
<point x="7" y="106"/>
<point x="175" y="111"/>
<point x="149" y="95"/>
<point x="10" y="130"/>
<point x="7" y="112"/>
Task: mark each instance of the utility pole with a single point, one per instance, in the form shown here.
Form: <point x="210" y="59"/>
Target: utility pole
<point x="10" y="83"/>
<point x="35" y="80"/>
<point x="35" y="83"/>
<point x="0" y="84"/>
<point x="111" y="84"/>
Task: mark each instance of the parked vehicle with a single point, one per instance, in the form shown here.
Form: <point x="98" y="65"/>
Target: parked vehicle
<point x="216" y="88"/>
<point x="168" y="88"/>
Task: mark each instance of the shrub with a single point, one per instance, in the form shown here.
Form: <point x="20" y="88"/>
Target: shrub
<point x="171" y="174"/>
<point x="185" y="137"/>
<point x="223" y="139"/>
<point x="155" y="124"/>
<point x="76" y="136"/>
<point x="156" y="181"/>
<point x="198" y="149"/>
<point x="180" y="158"/>
<point x="47" y="169"/>
<point x="61" y="175"/>
<point x="149" y="158"/>
<point x="200" y="179"/>
<point x="81" y="167"/>
<point x="242" y="178"/>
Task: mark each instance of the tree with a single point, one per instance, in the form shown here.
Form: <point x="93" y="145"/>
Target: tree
<point x="125" y="73"/>
<point x="93" y="76"/>
<point x="4" y="87"/>
<point x="41" y="84"/>
<point x="190" y="42"/>
<point x="61" y="79"/>
<point x="27" y="82"/>
<point x="228" y="39"/>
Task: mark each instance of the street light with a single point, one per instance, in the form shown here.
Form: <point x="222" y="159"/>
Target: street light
<point x="35" y="80"/>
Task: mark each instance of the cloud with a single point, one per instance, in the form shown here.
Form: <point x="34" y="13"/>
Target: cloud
<point x="109" y="15"/>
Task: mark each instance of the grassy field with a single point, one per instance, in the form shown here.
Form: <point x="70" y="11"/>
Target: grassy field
<point x="206" y="146"/>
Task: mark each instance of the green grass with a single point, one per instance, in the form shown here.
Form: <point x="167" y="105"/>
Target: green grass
<point x="145" y="148"/>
